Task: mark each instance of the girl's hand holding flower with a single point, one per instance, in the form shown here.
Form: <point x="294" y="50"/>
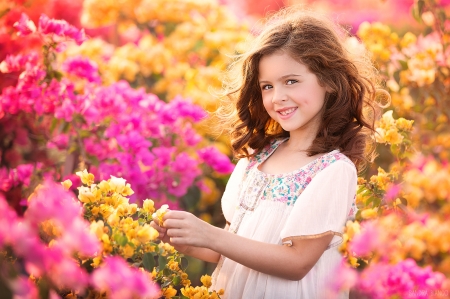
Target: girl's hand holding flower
<point x="184" y="228"/>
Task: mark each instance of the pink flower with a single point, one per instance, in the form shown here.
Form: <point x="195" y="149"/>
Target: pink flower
<point x="25" y="26"/>
<point x="83" y="68"/>
<point x="122" y="281"/>
<point x="60" y="142"/>
<point x="23" y="288"/>
<point x="344" y="278"/>
<point x="367" y="241"/>
<point x="61" y="28"/>
<point x="214" y="158"/>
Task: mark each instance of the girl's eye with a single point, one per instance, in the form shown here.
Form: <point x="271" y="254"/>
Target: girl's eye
<point x="266" y="87"/>
<point x="290" y="82"/>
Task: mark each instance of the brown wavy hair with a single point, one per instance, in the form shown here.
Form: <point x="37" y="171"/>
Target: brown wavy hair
<point x="349" y="112"/>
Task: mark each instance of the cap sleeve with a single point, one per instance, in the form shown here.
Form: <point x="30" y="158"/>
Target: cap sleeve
<point x="323" y="206"/>
<point x="231" y="194"/>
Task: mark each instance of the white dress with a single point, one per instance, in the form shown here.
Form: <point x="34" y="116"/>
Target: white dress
<point x="312" y="201"/>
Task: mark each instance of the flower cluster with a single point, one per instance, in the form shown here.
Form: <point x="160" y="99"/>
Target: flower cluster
<point x="52" y="242"/>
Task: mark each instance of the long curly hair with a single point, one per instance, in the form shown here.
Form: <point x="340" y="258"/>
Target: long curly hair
<point x="350" y="107"/>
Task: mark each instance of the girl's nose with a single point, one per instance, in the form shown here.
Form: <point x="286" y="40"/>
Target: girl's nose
<point x="279" y="96"/>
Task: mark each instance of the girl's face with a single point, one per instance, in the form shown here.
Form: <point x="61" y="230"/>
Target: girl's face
<point x="291" y="93"/>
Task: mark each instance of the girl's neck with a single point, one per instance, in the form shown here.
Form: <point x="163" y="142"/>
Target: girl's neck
<point x="300" y="141"/>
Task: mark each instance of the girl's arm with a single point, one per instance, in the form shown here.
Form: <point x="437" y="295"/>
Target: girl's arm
<point x="289" y="262"/>
<point x="204" y="254"/>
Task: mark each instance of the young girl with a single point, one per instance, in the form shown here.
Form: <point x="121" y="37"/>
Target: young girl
<point x="301" y="134"/>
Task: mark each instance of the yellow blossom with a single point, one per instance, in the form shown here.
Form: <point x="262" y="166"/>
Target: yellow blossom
<point x="146" y="234"/>
<point x="169" y="292"/>
<point x="86" y="177"/>
<point x="118" y="185"/>
<point x="127" y="251"/>
<point x="206" y="281"/>
<point x="88" y="194"/>
<point x="403" y="124"/>
<point x="159" y="214"/>
<point x="369" y="213"/>
<point x="97" y="227"/>
<point x="96" y="261"/>
<point x="173" y="266"/>
<point x="67" y="184"/>
<point x="148" y="206"/>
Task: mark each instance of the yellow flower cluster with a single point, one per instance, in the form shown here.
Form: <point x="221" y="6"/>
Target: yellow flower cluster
<point x="379" y="39"/>
<point x="428" y="185"/>
<point x="107" y="206"/>
<point x="202" y="292"/>
<point x="390" y="130"/>
<point x="123" y="229"/>
<point x="98" y="13"/>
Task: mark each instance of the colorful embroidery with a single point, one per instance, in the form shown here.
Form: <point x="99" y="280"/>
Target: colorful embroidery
<point x="284" y="188"/>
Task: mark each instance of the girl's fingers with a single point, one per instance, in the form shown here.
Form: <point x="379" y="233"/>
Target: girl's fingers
<point x="174" y="215"/>
<point x="173" y="232"/>
<point x="173" y="223"/>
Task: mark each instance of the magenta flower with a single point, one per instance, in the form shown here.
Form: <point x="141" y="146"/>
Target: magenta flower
<point x="61" y="28"/>
<point x="25" y="26"/>
<point x="367" y="241"/>
<point x="214" y="158"/>
<point x="83" y="68"/>
<point x="123" y="282"/>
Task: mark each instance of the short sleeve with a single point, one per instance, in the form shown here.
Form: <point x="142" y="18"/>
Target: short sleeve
<point x="231" y="194"/>
<point x="324" y="205"/>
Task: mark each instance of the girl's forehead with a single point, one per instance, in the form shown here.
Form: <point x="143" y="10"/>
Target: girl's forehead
<point x="280" y="62"/>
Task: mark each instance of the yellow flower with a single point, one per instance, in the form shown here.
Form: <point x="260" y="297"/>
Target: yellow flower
<point x="86" y="178"/>
<point x="206" y="280"/>
<point x="97" y="227"/>
<point x="403" y="124"/>
<point x="148" y="206"/>
<point x="127" y="251"/>
<point x="67" y="184"/>
<point x="173" y="266"/>
<point x="89" y="194"/>
<point x="369" y="213"/>
<point x="353" y="261"/>
<point x="118" y="185"/>
<point x="96" y="261"/>
<point x="159" y="214"/>
<point x="169" y="292"/>
<point x="146" y="234"/>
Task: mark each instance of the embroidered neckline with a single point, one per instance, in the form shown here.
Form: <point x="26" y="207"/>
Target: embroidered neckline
<point x="273" y="146"/>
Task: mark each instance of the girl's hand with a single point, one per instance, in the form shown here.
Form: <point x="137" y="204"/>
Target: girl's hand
<point x="161" y="230"/>
<point x="183" y="228"/>
<point x="165" y="238"/>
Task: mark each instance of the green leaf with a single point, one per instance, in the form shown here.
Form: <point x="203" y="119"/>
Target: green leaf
<point x="148" y="261"/>
<point x="121" y="239"/>
<point x="184" y="263"/>
<point x="162" y="262"/>
<point x="403" y="64"/>
<point x="166" y="284"/>
<point x="176" y="280"/>
<point x="44" y="290"/>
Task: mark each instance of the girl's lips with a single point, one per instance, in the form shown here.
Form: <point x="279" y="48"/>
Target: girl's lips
<point x="286" y="113"/>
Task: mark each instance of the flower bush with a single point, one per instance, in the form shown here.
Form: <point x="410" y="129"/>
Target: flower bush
<point x="100" y="245"/>
<point x="112" y="129"/>
<point x="400" y="233"/>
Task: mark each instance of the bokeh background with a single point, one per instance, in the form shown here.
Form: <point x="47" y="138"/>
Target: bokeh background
<point x="133" y="96"/>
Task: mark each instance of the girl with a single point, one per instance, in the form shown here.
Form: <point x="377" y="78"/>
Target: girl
<point x="301" y="134"/>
